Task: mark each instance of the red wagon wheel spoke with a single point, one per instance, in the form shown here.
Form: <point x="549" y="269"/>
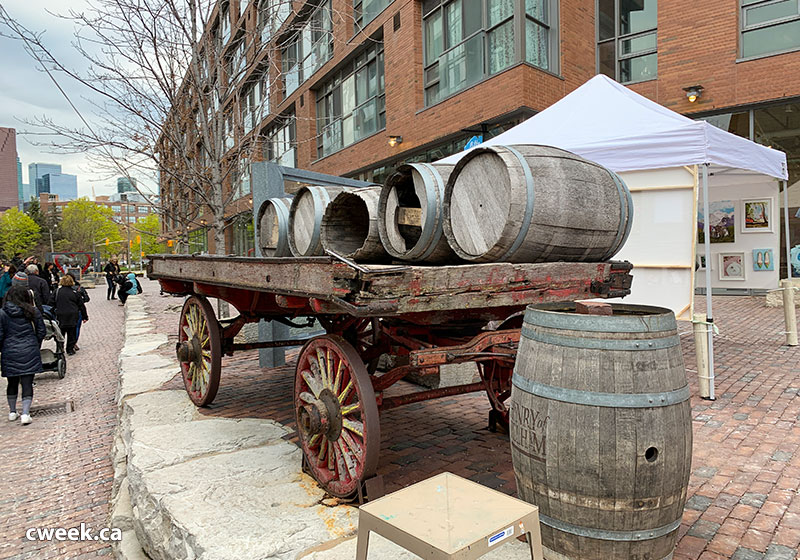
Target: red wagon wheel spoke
<point x="337" y="416"/>
<point x="199" y="350"/>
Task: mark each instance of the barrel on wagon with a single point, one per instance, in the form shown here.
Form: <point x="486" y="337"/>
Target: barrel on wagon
<point x="530" y="203"/>
<point x="273" y="227"/>
<point x="601" y="430"/>
<point x="305" y="219"/>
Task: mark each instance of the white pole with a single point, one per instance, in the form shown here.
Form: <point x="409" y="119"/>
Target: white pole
<point x="789" y="314"/>
<point x="701" y="349"/>
<point x="709" y="260"/>
<point x="786" y="229"/>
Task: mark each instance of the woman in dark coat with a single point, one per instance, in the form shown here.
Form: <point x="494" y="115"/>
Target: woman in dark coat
<point x="21" y="333"/>
<point x="68" y="306"/>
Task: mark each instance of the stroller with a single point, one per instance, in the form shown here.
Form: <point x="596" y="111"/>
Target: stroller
<point x="53" y="360"/>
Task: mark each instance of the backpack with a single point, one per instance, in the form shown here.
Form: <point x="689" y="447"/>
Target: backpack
<point x="84" y="295"/>
<point x="138" y="286"/>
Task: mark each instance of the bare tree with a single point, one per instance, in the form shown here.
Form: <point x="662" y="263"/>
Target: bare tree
<point x="176" y="94"/>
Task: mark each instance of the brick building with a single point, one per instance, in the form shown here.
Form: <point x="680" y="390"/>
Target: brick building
<point x="127" y="211"/>
<point x="356" y="87"/>
<point x="9" y="181"/>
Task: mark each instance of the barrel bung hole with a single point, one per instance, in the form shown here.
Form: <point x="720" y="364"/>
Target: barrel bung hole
<point x="651" y="454"/>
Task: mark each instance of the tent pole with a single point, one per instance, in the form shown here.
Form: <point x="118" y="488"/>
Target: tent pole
<point x="709" y="313"/>
<point x="786" y="229"/>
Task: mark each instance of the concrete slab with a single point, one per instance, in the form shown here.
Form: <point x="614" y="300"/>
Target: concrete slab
<point x="133" y="382"/>
<point x="143" y="344"/>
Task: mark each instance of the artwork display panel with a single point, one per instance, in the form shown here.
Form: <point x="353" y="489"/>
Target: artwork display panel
<point x="722" y="222"/>
<point x="731" y="266"/>
<point x="763" y="260"/>
<point x="757" y="215"/>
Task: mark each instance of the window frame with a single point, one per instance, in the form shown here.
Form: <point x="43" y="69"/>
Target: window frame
<point x="747" y="5"/>
<point x="617" y="41"/>
<point x="297" y="65"/>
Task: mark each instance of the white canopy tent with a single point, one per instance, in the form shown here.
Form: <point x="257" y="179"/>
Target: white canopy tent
<point x="610" y="124"/>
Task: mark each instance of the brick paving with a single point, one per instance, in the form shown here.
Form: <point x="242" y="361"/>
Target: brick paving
<point x="57" y="471"/>
<point x="744" y="497"/>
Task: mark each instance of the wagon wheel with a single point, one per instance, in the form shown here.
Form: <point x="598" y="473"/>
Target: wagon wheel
<point x="337" y="416"/>
<point x="199" y="350"/>
<point x="363" y="334"/>
<point x="496" y="376"/>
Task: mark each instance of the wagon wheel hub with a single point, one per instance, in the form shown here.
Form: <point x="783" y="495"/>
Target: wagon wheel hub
<point x="323" y="416"/>
<point x="189" y="350"/>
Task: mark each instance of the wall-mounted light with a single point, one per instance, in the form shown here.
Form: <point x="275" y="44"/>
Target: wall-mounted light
<point x="395" y="140"/>
<point x="693" y="93"/>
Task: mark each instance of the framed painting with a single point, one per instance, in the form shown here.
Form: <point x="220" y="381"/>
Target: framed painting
<point x="721" y="223"/>
<point x="763" y="260"/>
<point x="731" y="266"/>
<point x="757" y="215"/>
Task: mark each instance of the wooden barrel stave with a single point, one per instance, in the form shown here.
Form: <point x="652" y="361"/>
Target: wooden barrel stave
<point x="350" y="225"/>
<point x="589" y="466"/>
<point x="530" y="203"/>
<point x="273" y="227"/>
<point x="419" y="187"/>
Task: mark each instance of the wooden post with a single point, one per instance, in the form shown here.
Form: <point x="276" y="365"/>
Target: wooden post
<point x="789" y="312"/>
<point x="701" y="348"/>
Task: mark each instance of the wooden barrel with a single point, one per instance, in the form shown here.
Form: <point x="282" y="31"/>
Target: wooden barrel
<point x="531" y="203"/>
<point x="305" y="219"/>
<point x="350" y="225"/>
<point x="412" y="213"/>
<point x="601" y="430"/>
<point x="273" y="227"/>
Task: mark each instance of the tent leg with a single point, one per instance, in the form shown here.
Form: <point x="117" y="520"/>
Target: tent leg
<point x="709" y="312"/>
<point x="786" y="229"/>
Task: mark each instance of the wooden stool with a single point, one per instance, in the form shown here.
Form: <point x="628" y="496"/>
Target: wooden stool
<point x="449" y="517"/>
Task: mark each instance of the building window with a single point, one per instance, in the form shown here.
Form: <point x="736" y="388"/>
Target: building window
<point x="309" y="49"/>
<point x="224" y="25"/>
<point x="352" y="104"/>
<point x="198" y="241"/>
<point x="237" y="63"/>
<point x="770" y="26"/>
<point x="116" y="208"/>
<point x="243" y="6"/>
<point x="227" y="132"/>
<point x="627" y="39"/>
<point x="365" y="11"/>
<point x="243" y="235"/>
<point x="271" y="15"/>
<point x="280" y="146"/>
<point x="255" y="103"/>
<point x="241" y="179"/>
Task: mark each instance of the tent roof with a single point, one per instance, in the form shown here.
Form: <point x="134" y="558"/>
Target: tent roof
<point x="610" y="124"/>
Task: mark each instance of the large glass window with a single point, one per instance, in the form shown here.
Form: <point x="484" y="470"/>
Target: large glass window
<point x="271" y="15"/>
<point x="255" y="103"/>
<point x="243" y="235"/>
<point x="224" y="25"/>
<point x="241" y="179"/>
<point x="237" y="63"/>
<point x="309" y="49"/>
<point x="198" y="241"/>
<point x="364" y="11"/>
<point x="352" y="104"/>
<point x="468" y="40"/>
<point x="769" y="26"/>
<point x="280" y="146"/>
<point x="627" y="39"/>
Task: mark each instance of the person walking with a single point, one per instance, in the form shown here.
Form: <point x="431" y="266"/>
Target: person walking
<point x="51" y="275"/>
<point x="85" y="297"/>
<point x="9" y="270"/>
<point x="112" y="270"/>
<point x="21" y="333"/>
<point x="68" y="305"/>
<point x="39" y="287"/>
<point x="129" y="286"/>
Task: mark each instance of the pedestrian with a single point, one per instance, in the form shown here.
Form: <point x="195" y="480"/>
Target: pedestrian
<point x="129" y="286"/>
<point x="68" y="306"/>
<point x="21" y="333"/>
<point x="51" y="275"/>
<point x="112" y="270"/>
<point x="9" y="270"/>
<point x="39" y="287"/>
<point x="85" y="297"/>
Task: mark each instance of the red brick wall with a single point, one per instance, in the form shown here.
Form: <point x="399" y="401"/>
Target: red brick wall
<point x="9" y="190"/>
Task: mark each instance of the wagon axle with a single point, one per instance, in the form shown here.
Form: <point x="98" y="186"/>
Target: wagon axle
<point x="321" y="415"/>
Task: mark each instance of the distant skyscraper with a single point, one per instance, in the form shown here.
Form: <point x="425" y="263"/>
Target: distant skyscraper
<point x="62" y="184"/>
<point x="35" y="173"/>
<point x="9" y="187"/>
<point x="20" y="186"/>
<point x="126" y="185"/>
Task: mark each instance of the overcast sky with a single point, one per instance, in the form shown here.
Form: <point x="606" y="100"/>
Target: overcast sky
<point x="27" y="92"/>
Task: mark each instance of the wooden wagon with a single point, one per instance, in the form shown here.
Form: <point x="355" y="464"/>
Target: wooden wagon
<point x="422" y="317"/>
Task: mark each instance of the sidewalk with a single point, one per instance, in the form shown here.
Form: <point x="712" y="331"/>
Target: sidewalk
<point x="743" y="492"/>
<point x="57" y="471"/>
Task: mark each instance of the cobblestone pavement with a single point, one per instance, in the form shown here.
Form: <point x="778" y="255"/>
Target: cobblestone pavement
<point x="57" y="472"/>
<point x="743" y="492"/>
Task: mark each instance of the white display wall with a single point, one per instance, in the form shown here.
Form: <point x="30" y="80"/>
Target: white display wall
<point x="738" y="188"/>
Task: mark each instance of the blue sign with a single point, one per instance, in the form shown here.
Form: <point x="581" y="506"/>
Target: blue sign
<point x="474" y="141"/>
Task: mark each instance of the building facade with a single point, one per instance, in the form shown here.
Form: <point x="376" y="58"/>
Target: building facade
<point x="9" y="182"/>
<point x="63" y="185"/>
<point x="124" y="185"/>
<point x="125" y="212"/>
<point x="357" y="87"/>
